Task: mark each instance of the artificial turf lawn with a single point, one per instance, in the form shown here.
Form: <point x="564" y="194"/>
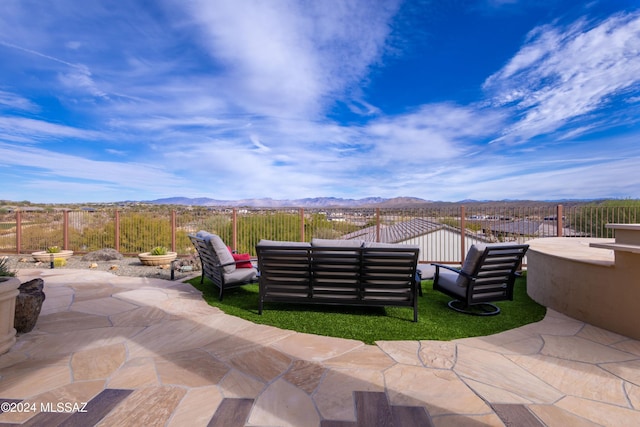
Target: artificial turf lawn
<point x="369" y="324"/>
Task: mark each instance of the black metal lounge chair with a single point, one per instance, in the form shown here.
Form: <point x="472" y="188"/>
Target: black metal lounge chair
<point x="218" y="264"/>
<point x="487" y="275"/>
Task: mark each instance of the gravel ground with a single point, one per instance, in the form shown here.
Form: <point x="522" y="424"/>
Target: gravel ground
<point x="123" y="267"/>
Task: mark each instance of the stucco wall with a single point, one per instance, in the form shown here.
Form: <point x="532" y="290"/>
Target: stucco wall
<point x="586" y="283"/>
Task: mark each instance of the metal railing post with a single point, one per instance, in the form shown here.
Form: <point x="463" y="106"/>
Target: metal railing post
<point x="302" y="225"/>
<point x="116" y="228"/>
<point x="559" y="222"/>
<point x="173" y="230"/>
<point x="65" y="230"/>
<point x="18" y="231"/>
<point x="377" y="224"/>
<point x="234" y="236"/>
<point x="463" y="227"/>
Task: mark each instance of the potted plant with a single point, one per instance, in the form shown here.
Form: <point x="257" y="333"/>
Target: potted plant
<point x="157" y="256"/>
<point x="5" y="272"/>
<point x="52" y="252"/>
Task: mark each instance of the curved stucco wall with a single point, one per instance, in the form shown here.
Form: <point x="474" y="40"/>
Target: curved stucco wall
<point x="589" y="284"/>
<point x="8" y="293"/>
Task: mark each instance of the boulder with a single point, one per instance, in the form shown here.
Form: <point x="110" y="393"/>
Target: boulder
<point x="192" y="262"/>
<point x="28" y="305"/>
<point x="102" y="255"/>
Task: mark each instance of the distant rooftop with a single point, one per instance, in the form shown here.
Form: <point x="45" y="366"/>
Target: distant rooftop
<point x="403" y="231"/>
<point x="399" y="232"/>
<point x="527" y="227"/>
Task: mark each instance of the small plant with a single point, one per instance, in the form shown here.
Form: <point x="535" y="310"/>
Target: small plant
<point x="4" y="268"/>
<point x="59" y="262"/>
<point x="159" y="250"/>
<point x="53" y="250"/>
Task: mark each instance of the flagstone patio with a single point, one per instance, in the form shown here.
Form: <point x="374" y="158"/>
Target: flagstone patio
<point x="141" y="351"/>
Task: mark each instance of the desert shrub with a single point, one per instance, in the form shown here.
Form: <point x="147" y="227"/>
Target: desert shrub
<point x="4" y="268"/>
<point x="137" y="230"/>
<point x="159" y="250"/>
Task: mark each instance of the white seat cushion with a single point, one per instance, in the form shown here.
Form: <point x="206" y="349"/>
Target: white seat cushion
<point x="448" y="280"/>
<point x="240" y="275"/>
<point x="335" y="243"/>
<point x="265" y="242"/>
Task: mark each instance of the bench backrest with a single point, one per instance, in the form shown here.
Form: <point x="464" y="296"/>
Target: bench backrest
<point x="284" y="270"/>
<point x="389" y="272"/>
<point x="338" y="274"/>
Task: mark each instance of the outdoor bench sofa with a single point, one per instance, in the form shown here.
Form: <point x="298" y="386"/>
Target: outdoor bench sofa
<point x="338" y="272"/>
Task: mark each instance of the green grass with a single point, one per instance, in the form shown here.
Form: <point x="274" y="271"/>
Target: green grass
<point x="369" y="324"/>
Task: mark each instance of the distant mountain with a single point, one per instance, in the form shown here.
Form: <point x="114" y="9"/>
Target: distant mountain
<point x="315" y="202"/>
<point x="368" y="202"/>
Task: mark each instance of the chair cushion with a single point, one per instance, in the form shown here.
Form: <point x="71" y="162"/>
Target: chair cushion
<point x="265" y="242"/>
<point x="449" y="280"/>
<point x="202" y="233"/>
<point x="223" y="253"/>
<point x="242" y="260"/>
<point x="470" y="262"/>
<point x="328" y="243"/>
<point x="385" y="245"/>
<point x="240" y="275"/>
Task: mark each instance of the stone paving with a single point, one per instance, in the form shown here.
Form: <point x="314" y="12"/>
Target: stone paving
<point x="154" y="353"/>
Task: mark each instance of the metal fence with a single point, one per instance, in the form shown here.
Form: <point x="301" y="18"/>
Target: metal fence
<point x="443" y="233"/>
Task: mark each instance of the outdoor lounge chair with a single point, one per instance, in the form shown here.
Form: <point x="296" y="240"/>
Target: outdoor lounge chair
<point x="487" y="275"/>
<point x="218" y="264"/>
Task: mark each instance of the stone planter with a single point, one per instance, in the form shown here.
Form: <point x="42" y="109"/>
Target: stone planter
<point x="44" y="256"/>
<point x="8" y="293"/>
<point x="148" y="259"/>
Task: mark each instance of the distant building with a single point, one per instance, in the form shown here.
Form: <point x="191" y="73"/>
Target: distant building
<point x="24" y="208"/>
<point x="527" y="228"/>
<point x="438" y="242"/>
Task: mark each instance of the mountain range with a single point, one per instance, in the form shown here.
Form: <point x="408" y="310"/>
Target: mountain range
<point x="314" y="202"/>
<point x="368" y="202"/>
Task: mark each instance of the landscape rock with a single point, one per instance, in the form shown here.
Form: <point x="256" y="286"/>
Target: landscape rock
<point x="28" y="305"/>
<point x="191" y="261"/>
<point x="103" y="255"/>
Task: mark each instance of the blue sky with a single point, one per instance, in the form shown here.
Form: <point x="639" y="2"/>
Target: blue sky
<point x="443" y="100"/>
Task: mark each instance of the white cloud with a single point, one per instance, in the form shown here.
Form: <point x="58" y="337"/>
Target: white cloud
<point x="306" y="157"/>
<point x="74" y="45"/>
<point x="259" y="145"/>
<point x="80" y="79"/>
<point x="248" y="108"/>
<point x="33" y="130"/>
<point x="563" y="74"/>
<point x="432" y="133"/>
<point x="143" y="177"/>
<point x="292" y="58"/>
<point x="17" y="102"/>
